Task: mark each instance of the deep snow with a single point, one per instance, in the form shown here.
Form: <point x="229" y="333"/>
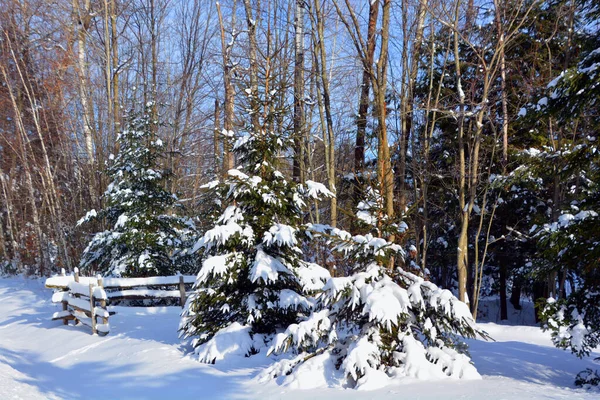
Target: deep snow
<point x="142" y="358"/>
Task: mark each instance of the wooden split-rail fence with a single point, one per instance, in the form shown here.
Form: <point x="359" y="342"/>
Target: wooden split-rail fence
<point x="85" y="299"/>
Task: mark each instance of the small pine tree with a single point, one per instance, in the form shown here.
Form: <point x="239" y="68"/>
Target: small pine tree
<point x="142" y="235"/>
<point x="377" y="321"/>
<point x="249" y="284"/>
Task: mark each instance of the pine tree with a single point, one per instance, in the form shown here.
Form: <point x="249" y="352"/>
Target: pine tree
<point x="377" y="323"/>
<point x="142" y="234"/>
<point x="249" y="284"/>
<point x="572" y="242"/>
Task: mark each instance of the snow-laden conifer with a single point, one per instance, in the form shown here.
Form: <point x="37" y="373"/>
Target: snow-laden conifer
<point x="570" y="242"/>
<point x="376" y="323"/>
<point x="141" y="234"/>
<point x="252" y="275"/>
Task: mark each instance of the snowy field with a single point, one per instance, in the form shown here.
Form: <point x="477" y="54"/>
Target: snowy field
<point x="142" y="358"/>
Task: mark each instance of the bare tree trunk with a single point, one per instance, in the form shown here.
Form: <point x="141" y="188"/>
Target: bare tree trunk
<point x="432" y="115"/>
<point x="251" y="22"/>
<point x="500" y="29"/>
<point x="504" y="95"/>
<point x="115" y="70"/>
<point x="82" y="22"/>
<point x="321" y="67"/>
<point x="379" y="81"/>
<point x="216" y="138"/>
<point x="108" y="60"/>
<point x="363" y="104"/>
<point x="385" y="173"/>
<point x="462" y="248"/>
<point x="408" y="107"/>
<point x="229" y="92"/>
<point x="314" y="214"/>
<point x="154" y="66"/>
<point x="299" y="122"/>
<point x="12" y="243"/>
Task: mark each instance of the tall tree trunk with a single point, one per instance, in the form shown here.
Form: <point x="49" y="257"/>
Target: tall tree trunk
<point x="251" y="23"/>
<point x="408" y="107"/>
<point x="503" y="94"/>
<point x="385" y="173"/>
<point x="363" y="106"/>
<point x="82" y="21"/>
<point x="433" y="98"/>
<point x="378" y="76"/>
<point x="314" y="213"/>
<point x="299" y="122"/>
<point x="229" y="93"/>
<point x="10" y="225"/>
<point x="217" y="132"/>
<point x="114" y="44"/>
<point x="108" y="62"/>
<point x="504" y="98"/>
<point x="321" y="68"/>
<point x="11" y="248"/>
<point x="462" y="248"/>
<point x="154" y="66"/>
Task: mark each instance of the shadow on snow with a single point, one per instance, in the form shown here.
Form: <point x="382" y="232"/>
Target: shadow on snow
<point x="96" y="380"/>
<point x="527" y="362"/>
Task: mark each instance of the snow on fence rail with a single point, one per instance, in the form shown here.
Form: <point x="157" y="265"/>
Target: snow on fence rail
<point x="85" y="299"/>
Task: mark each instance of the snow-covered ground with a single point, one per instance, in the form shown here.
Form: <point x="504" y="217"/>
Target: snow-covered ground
<point x="142" y="358"/>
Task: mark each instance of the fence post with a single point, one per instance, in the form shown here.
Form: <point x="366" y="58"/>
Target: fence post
<point x="65" y="304"/>
<point x="102" y="301"/>
<point x="76" y="277"/>
<point x="182" y="291"/>
<point x="92" y="306"/>
<point x="65" y="307"/>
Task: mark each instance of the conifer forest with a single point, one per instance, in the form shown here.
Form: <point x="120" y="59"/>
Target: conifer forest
<point x="353" y="193"/>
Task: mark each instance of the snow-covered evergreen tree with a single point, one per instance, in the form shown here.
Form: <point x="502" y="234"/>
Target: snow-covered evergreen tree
<point x="572" y="242"/>
<point x="376" y="324"/>
<point x="250" y="283"/>
<point x="142" y="234"/>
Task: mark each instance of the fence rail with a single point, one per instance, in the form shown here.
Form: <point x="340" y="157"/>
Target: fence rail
<point x="85" y="299"/>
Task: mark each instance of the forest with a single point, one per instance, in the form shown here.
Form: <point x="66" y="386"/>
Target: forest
<point x="271" y="147"/>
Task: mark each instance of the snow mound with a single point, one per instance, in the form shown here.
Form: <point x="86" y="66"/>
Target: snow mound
<point x="303" y="372"/>
<point x="233" y="340"/>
